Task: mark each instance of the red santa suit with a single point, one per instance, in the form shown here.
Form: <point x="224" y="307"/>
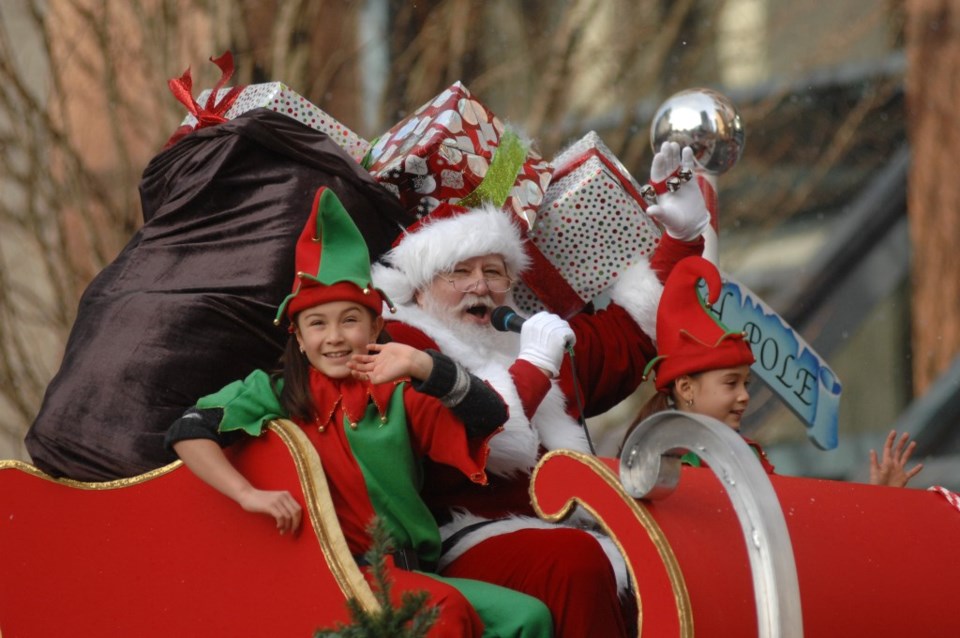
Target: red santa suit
<point x="493" y="533"/>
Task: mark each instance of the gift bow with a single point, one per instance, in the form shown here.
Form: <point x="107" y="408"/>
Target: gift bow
<point x="501" y="174"/>
<point x="211" y="113"/>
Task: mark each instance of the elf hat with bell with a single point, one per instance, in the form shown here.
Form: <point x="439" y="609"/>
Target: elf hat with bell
<point x="689" y="338"/>
<point x="332" y="261"/>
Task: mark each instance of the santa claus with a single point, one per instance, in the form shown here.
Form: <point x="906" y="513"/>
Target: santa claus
<point x="445" y="276"/>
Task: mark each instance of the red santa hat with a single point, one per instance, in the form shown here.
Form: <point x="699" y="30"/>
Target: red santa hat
<point x="449" y="235"/>
<point x="332" y="261"/>
<point x="689" y="338"/>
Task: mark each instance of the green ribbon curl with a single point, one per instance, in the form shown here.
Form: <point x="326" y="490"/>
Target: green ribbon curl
<point x="501" y="175"/>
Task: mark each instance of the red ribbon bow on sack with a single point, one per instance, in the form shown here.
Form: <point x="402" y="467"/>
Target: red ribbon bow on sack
<point x="211" y="113"/>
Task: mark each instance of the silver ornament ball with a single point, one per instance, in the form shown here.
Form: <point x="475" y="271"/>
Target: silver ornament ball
<point x="706" y="121"/>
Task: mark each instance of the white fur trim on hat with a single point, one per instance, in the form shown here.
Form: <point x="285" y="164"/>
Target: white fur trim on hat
<point x="440" y="244"/>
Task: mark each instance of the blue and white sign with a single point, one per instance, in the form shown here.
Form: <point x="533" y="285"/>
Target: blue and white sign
<point x="785" y="362"/>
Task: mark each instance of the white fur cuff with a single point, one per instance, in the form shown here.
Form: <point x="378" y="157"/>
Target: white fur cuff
<point x="638" y="292"/>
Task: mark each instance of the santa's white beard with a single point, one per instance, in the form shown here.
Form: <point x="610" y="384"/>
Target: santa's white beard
<point x="483" y="337"/>
<point x="490" y="355"/>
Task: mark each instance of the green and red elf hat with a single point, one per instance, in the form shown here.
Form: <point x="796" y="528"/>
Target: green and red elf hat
<point x="689" y="338"/>
<point x="332" y="262"/>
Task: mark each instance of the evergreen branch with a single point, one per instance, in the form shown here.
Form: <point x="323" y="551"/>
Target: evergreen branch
<point x="414" y="617"/>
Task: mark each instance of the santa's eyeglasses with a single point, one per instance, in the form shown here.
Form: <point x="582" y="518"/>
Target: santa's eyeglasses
<point x="467" y="282"/>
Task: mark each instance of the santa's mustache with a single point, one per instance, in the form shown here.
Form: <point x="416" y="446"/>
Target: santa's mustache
<point x="471" y="300"/>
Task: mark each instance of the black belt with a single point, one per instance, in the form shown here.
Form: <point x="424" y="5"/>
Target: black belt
<point x="457" y="536"/>
<point x="402" y="558"/>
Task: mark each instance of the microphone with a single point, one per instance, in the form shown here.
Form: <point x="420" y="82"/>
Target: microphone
<point x="506" y="319"/>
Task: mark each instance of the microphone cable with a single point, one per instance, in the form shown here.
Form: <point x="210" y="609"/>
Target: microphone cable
<point x="578" y="396"/>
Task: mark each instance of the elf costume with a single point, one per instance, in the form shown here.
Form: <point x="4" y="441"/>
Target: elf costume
<point x="371" y="439"/>
<point x="691" y="340"/>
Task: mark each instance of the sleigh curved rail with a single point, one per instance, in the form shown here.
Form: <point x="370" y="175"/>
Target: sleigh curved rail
<point x="650" y="468"/>
<point x="564" y="479"/>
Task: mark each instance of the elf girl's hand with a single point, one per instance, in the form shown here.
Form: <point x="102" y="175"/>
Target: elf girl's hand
<point x="279" y="504"/>
<point x="386" y="362"/>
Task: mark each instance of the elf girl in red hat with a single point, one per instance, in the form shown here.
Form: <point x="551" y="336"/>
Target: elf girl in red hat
<point x="703" y="367"/>
<point x="371" y="437"/>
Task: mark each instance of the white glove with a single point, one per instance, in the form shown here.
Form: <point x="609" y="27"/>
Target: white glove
<point x="684" y="214"/>
<point x="543" y="338"/>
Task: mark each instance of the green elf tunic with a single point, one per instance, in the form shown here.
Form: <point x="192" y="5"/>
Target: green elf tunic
<point x="371" y="440"/>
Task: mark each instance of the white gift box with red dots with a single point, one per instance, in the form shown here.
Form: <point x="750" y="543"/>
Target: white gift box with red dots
<point x="591" y="225"/>
<point x="278" y="97"/>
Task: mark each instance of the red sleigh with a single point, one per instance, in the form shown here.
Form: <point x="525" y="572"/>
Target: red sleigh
<point x="162" y="554"/>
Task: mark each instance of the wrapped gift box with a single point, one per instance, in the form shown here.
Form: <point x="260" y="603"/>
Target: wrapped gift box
<point x="443" y="152"/>
<point x="591" y="225"/>
<point x="280" y="98"/>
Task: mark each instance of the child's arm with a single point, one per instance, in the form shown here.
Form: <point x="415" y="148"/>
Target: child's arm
<point x="891" y="468"/>
<point x="203" y="455"/>
<point x="481" y="408"/>
<point x="391" y="361"/>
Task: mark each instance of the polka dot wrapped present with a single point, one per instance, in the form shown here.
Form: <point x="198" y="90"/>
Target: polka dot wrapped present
<point x="592" y="223"/>
<point x="278" y="97"/>
<point x="454" y="150"/>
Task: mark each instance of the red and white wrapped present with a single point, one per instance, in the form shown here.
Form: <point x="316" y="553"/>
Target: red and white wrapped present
<point x="591" y="225"/>
<point x="278" y="97"/>
<point x="455" y="150"/>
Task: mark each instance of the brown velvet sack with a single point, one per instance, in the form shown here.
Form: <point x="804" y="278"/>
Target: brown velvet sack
<point x="188" y="305"/>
